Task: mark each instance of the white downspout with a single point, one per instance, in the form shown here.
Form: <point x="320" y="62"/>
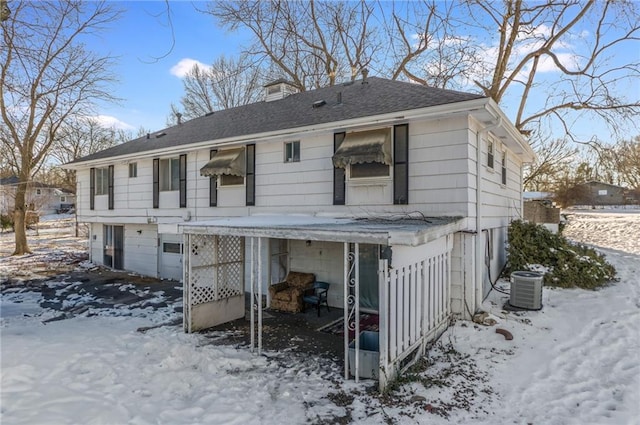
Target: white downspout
<point x="478" y="246"/>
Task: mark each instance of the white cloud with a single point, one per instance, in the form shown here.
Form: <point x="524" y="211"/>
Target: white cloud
<point x="568" y="60"/>
<point x="112" y="122"/>
<point x="185" y="65"/>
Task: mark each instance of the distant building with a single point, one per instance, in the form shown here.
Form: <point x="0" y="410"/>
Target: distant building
<point x="599" y="193"/>
<point x="40" y="197"/>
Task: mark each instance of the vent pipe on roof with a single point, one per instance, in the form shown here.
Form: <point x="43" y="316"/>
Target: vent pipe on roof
<point x="179" y="117"/>
<point x="365" y="73"/>
<point x="339" y="97"/>
<point x="148" y="135"/>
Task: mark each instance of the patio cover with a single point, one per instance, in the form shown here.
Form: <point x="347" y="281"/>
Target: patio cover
<point x="382" y="231"/>
<point x="229" y="161"/>
<point x="363" y="147"/>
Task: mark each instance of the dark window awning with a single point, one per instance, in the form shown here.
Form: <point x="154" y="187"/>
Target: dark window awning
<point x="363" y="147"/>
<point x="229" y="161"/>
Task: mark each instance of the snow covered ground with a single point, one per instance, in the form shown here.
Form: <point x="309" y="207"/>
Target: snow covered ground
<point x="574" y="362"/>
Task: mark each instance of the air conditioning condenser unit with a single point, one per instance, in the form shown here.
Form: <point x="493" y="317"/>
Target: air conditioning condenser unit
<point x="526" y="290"/>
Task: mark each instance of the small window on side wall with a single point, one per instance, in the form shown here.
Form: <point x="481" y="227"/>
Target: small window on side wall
<point x="292" y="151"/>
<point x="133" y="169"/>
<point x="504" y="168"/>
<point x="490" y="154"/>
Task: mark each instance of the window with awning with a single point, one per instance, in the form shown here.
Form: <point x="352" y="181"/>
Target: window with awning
<point x="367" y="153"/>
<point x="364" y="147"/>
<point x="230" y="164"/>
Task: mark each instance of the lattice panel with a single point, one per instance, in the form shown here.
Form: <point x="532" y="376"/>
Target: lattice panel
<point x="216" y="268"/>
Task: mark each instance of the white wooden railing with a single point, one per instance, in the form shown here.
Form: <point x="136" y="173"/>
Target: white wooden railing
<point x="417" y="308"/>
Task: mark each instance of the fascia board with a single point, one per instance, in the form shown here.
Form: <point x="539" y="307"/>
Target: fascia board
<point x="528" y="154"/>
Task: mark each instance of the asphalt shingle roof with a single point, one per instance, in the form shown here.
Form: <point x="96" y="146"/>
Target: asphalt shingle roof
<point x="377" y="96"/>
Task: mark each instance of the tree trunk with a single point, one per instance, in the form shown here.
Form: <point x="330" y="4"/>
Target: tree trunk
<point x="20" y="219"/>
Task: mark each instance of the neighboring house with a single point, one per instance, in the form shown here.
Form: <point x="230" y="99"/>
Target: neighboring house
<point x="598" y="193"/>
<point x="40" y="197"/>
<point x="397" y="194"/>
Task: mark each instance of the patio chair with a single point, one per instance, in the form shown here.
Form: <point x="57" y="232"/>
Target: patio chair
<point x="317" y="295"/>
<point x="287" y="295"/>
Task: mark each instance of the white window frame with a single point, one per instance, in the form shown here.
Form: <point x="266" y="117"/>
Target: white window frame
<point x="170" y="174"/>
<point x="223" y="180"/>
<point x="133" y="170"/>
<point x="102" y="181"/>
<point x="292" y="151"/>
<point x="503" y="169"/>
<point x="491" y="149"/>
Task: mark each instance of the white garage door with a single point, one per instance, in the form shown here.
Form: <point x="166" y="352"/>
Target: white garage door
<point x="170" y="256"/>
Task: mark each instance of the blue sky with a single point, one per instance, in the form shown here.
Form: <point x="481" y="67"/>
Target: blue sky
<point x="150" y="64"/>
<point x="142" y="42"/>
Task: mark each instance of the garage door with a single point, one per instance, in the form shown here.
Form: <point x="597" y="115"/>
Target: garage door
<point x="171" y="256"/>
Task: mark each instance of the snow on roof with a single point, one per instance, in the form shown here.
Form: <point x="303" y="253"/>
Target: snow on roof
<point x="405" y="230"/>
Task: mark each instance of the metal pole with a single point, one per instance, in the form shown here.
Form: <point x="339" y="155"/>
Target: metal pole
<point x="346" y="310"/>
<point x="252" y="314"/>
<point x="357" y="307"/>
<point x="260" y="277"/>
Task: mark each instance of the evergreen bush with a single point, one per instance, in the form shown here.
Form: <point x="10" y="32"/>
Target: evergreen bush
<point x="566" y="264"/>
<point x="6" y="221"/>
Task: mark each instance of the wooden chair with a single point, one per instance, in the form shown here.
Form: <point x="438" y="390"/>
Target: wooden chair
<point x="317" y="295"/>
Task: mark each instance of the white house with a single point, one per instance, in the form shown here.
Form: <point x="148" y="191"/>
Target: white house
<point x="40" y="197"/>
<point x="397" y="194"/>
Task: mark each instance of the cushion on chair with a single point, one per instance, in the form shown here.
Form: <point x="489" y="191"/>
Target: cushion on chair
<point x="287" y="295"/>
<point x="300" y="279"/>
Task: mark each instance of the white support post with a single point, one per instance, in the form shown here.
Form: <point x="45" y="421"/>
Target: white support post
<point x="252" y="314"/>
<point x="356" y="335"/>
<point x="383" y="310"/>
<point x="260" y="277"/>
<point x="186" y="283"/>
<point x="346" y="311"/>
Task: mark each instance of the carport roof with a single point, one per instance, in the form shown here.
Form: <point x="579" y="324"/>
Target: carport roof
<point x="406" y="230"/>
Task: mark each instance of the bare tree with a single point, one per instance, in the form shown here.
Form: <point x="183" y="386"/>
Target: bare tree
<point x="628" y="152"/>
<point x="311" y="43"/>
<point x="427" y="44"/>
<point x="562" y="49"/>
<point x="79" y="137"/>
<point x="229" y="82"/>
<point x="553" y="157"/>
<point x="557" y="60"/>
<point x="47" y="78"/>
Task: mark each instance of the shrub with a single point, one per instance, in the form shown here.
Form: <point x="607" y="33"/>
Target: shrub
<point x="566" y="264"/>
<point x="6" y="221"/>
